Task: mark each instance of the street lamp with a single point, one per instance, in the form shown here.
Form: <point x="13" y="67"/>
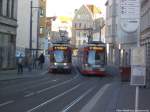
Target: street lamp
<point x="30" y="42"/>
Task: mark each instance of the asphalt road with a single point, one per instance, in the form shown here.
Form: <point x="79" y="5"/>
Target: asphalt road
<point x="57" y="92"/>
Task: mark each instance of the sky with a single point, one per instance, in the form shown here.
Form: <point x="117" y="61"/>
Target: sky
<point x="67" y="7"/>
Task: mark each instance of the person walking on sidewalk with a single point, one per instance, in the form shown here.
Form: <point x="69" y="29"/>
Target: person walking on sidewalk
<point x="41" y="61"/>
<point x="34" y="62"/>
<point x="20" y="64"/>
<point x="29" y="62"/>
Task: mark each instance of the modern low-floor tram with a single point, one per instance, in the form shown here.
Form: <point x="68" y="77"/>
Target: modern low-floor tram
<point x="92" y="59"/>
<point x="60" y="57"/>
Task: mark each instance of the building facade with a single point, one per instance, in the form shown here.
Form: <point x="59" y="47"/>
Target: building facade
<point x="43" y="34"/>
<point x="83" y="24"/>
<point x="110" y="29"/>
<point x="145" y="32"/>
<point x="8" y="26"/>
<point x="24" y="29"/>
<point x="62" y="23"/>
<point x="98" y="29"/>
<point x="120" y="36"/>
<point x="31" y="28"/>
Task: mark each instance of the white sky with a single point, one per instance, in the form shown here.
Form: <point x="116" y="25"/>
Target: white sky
<point x="67" y="7"/>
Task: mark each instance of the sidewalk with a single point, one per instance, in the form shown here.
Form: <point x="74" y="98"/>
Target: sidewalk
<point x="12" y="74"/>
<point x="126" y="98"/>
<point x="120" y="97"/>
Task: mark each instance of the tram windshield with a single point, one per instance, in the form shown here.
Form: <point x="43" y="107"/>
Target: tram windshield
<point x="59" y="56"/>
<point x="95" y="57"/>
<point x="62" y="56"/>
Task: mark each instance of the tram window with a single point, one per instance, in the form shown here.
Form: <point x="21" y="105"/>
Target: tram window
<point x="102" y="58"/>
<point x="91" y="57"/>
<point x="59" y="55"/>
<point x="66" y="56"/>
<point x="96" y="57"/>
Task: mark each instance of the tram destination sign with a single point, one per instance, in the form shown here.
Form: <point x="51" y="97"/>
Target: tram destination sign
<point x="96" y="48"/>
<point x="138" y="66"/>
<point x="60" y="47"/>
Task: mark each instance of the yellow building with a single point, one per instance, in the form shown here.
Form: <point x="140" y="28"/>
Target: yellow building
<point x="94" y="9"/>
<point x="42" y="23"/>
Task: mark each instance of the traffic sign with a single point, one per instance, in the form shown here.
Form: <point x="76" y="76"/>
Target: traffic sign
<point x="138" y="75"/>
<point x="138" y="66"/>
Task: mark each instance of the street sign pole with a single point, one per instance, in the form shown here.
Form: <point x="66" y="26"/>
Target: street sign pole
<point x="138" y="72"/>
<point x="137" y="98"/>
<point x="30" y="42"/>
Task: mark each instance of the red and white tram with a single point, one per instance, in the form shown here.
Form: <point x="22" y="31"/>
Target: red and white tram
<point x="92" y="59"/>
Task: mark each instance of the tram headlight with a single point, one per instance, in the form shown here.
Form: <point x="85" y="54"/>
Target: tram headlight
<point x="55" y="63"/>
<point x="86" y="65"/>
<point x="65" y="64"/>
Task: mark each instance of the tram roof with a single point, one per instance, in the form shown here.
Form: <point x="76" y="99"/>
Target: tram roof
<point x="96" y="42"/>
<point x="99" y="43"/>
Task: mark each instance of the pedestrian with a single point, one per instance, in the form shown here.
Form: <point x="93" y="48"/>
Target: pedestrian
<point x="41" y="61"/>
<point x="34" y="63"/>
<point x="29" y="62"/>
<point x="20" y="64"/>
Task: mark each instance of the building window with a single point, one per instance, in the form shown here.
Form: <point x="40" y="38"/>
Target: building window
<point x="110" y="11"/>
<point x="78" y="16"/>
<point x="75" y="25"/>
<point x="84" y="34"/>
<point x="79" y="42"/>
<point x="79" y="34"/>
<point x="1" y="2"/>
<point x="41" y="12"/>
<point x="7" y="9"/>
<point x="149" y="17"/>
<point x="79" y="25"/>
<point x="12" y="9"/>
<point x="41" y="30"/>
<point x="85" y="26"/>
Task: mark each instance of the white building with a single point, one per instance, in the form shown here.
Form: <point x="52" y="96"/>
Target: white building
<point x="83" y="24"/>
<point x="23" y="30"/>
<point x="145" y="32"/>
<point x="122" y="30"/>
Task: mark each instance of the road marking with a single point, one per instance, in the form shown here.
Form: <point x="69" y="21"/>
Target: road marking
<point x="77" y="100"/>
<point x="33" y="83"/>
<point x="33" y="93"/>
<point x="54" y="98"/>
<point x="6" y="103"/>
<point x="54" y="80"/>
<point x="59" y="84"/>
<point x="30" y="94"/>
<point x="36" y="81"/>
<point x="89" y="106"/>
<point x="43" y="73"/>
<point x="40" y="84"/>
